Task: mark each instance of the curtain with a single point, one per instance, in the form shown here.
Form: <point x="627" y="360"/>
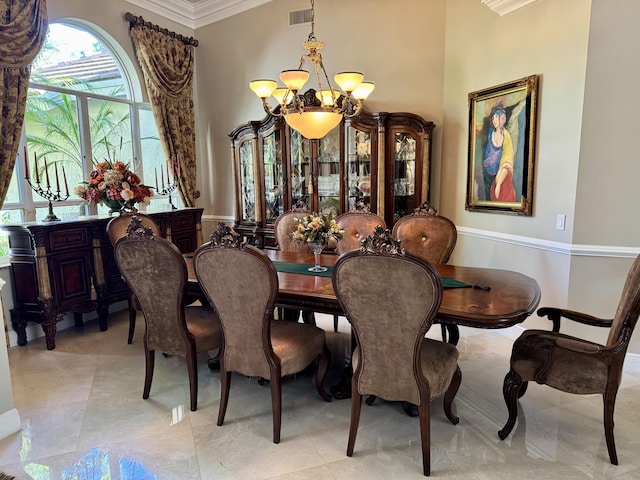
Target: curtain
<point x="23" y="27"/>
<point x="167" y="66"/>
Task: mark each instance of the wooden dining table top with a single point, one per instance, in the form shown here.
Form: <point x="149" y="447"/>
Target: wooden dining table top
<point x="510" y="299"/>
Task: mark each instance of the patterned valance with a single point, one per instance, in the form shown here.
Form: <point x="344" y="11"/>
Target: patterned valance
<point x="23" y="27"/>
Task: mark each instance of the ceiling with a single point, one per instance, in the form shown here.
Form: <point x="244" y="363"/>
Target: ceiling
<point x="198" y="13"/>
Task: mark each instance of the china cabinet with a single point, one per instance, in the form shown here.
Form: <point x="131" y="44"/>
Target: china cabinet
<point x="377" y="160"/>
<point x="68" y="267"/>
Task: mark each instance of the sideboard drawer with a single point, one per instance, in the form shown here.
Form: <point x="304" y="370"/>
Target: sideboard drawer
<point x="69" y="238"/>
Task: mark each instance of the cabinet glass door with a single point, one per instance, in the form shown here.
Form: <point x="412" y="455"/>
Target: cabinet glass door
<point x="404" y="175"/>
<point x="273" y="176"/>
<point x="358" y="168"/>
<point x="247" y="182"/>
<point x="329" y="172"/>
<point x="300" y="170"/>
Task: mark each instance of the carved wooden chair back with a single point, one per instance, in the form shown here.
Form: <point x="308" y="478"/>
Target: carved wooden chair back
<point x="117" y="228"/>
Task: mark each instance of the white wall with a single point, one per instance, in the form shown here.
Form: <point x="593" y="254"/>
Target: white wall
<point x="9" y="417"/>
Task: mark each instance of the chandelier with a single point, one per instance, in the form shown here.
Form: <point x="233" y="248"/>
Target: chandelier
<point x="315" y="112"/>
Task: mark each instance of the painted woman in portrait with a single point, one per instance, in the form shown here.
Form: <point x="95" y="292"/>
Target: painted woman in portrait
<point x="498" y="158"/>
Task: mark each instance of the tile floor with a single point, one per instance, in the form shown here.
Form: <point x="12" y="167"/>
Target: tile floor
<point x="83" y="417"/>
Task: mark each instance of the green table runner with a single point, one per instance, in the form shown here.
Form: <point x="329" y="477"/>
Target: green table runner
<point x="303" y="269"/>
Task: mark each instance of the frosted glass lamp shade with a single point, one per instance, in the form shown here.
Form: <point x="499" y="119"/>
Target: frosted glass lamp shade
<point x="363" y="90"/>
<point x="348" y="81"/>
<point x="313" y="124"/>
<point x="263" y="88"/>
<point x="294" y="79"/>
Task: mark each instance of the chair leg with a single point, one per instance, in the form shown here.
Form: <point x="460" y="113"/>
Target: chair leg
<point x="149" y="357"/>
<point x="132" y="321"/>
<point x="192" y="369"/>
<point x="424" y="415"/>
<point x="276" y="405"/>
<point x="225" y="384"/>
<point x="510" y="390"/>
<point x="609" y="406"/>
<point x="320" y="373"/>
<point x="356" y="404"/>
<point x="335" y="323"/>
<point x="450" y="395"/>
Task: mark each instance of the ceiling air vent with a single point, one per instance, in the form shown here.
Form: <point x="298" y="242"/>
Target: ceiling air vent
<point x="300" y="17"/>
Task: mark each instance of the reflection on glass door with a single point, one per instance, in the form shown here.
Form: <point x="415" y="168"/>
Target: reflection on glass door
<point x="358" y="168"/>
<point x="273" y="176"/>
<point x="329" y="172"/>
<point x="404" y="175"/>
<point x="300" y="170"/>
<point x="247" y="182"/>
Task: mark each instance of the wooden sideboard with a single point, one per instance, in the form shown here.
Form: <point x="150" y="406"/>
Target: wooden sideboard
<point x="68" y="267"/>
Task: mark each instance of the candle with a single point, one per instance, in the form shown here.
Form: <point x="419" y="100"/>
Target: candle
<point x="168" y="177"/>
<point x="162" y="177"/>
<point x="64" y="175"/>
<point x="26" y="164"/>
<point x="155" y="170"/>
<point x="46" y="172"/>
<point x="35" y="160"/>
<point x="57" y="179"/>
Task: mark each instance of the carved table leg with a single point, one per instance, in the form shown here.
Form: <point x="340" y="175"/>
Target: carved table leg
<point x="50" y="334"/>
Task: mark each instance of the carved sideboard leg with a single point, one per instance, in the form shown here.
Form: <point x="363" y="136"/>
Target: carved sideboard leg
<point x="50" y="334"/>
<point x="19" y="324"/>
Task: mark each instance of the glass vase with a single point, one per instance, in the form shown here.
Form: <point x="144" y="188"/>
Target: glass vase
<point x="316" y="248"/>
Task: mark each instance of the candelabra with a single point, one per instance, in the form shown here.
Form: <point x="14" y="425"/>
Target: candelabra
<point x="47" y="191"/>
<point x="172" y="181"/>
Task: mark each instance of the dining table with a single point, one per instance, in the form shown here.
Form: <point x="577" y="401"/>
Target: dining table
<point x="478" y="297"/>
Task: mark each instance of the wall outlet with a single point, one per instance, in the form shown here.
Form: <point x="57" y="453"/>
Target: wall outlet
<point x="560" y="219"/>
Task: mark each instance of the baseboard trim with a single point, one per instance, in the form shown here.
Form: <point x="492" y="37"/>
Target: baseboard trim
<point x="9" y="423"/>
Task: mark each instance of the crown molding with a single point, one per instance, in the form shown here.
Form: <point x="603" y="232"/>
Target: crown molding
<point x="200" y="13"/>
<point x="502" y="7"/>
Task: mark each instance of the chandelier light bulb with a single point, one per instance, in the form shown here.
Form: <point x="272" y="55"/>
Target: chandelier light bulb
<point x="348" y="81"/>
<point x="294" y="79"/>
<point x="363" y="91"/>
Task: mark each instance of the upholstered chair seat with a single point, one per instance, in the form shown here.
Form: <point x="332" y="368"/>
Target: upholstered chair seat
<point x="572" y="364"/>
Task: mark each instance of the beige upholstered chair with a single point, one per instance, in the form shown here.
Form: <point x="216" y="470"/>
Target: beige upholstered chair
<point x="242" y="285"/>
<point x="156" y="272"/>
<point x="391" y="298"/>
<point x="356" y="225"/>
<point x="575" y="365"/>
<point x="285" y="224"/>
<point x="426" y="234"/>
<point x="117" y="228"/>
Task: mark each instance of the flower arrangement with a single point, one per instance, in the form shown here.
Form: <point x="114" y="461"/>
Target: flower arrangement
<point x="320" y="229"/>
<point x="114" y="185"/>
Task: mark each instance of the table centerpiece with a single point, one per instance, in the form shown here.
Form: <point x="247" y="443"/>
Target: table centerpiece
<point x="318" y="231"/>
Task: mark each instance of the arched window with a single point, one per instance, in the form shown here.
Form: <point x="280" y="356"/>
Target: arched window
<point x="80" y="111"/>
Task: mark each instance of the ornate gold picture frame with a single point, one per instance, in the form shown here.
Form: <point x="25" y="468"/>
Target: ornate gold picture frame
<point x="502" y="140"/>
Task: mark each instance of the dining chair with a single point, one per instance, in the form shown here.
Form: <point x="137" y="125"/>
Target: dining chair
<point x="117" y="228"/>
<point x="575" y="365"/>
<point x="155" y="271"/>
<point x="391" y="298"/>
<point x="241" y="283"/>
<point x="428" y="235"/>
<point x="356" y="225"/>
<point x="284" y="225"/>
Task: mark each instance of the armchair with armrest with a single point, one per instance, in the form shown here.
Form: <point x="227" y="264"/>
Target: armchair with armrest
<point x="572" y="364"/>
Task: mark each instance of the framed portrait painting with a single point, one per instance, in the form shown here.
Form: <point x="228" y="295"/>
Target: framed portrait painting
<point x="502" y="139"/>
